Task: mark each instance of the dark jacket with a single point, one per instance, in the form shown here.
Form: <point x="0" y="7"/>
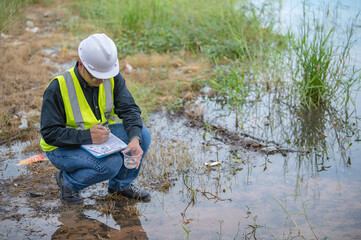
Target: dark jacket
<point x="53" y="116"/>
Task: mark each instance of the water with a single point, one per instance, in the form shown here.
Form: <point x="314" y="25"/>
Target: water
<point x="259" y="186"/>
<point x="130" y="161"/>
<point x="262" y="190"/>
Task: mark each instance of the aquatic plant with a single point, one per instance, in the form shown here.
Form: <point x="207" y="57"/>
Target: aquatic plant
<point x="208" y="129"/>
<point x="304" y="213"/>
<point x="230" y="82"/>
<point x="323" y="81"/>
<point x="322" y="75"/>
<point x="186" y="232"/>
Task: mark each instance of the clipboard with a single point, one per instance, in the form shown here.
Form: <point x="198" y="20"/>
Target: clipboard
<point x="110" y="146"/>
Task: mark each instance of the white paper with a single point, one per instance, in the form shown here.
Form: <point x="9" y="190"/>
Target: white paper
<point x="112" y="145"/>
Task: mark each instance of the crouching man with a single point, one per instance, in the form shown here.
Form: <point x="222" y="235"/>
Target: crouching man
<point x="76" y="105"/>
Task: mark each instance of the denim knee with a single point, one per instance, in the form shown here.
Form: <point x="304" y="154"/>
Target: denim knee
<point x="110" y="166"/>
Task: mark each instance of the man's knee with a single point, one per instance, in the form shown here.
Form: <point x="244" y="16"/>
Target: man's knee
<point x="110" y="166"/>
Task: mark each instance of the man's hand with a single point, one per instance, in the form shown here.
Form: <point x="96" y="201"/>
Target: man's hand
<point x="99" y="134"/>
<point x="134" y="144"/>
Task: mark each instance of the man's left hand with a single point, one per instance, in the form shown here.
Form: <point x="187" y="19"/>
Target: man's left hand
<point x="134" y="144"/>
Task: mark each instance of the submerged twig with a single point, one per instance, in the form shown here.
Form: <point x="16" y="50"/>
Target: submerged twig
<point x="293" y="220"/>
<point x="304" y="213"/>
<point x="213" y="196"/>
<point x="235" y="139"/>
<point x="204" y="193"/>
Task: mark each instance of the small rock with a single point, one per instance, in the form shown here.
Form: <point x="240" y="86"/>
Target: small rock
<point x="30" y="17"/>
<point x="3" y="35"/>
<point x="24" y="123"/>
<point x="16" y="42"/>
<point x="29" y="24"/>
<point x="34" y="194"/>
<point x="33" y="30"/>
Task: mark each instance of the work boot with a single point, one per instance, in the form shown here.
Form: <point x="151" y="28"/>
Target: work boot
<point x="67" y="195"/>
<point x="132" y="192"/>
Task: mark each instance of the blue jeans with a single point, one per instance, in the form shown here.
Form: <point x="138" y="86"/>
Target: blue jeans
<point x="81" y="169"/>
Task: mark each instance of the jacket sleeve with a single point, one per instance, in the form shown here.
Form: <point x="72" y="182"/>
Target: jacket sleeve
<point x="53" y="119"/>
<point x="126" y="108"/>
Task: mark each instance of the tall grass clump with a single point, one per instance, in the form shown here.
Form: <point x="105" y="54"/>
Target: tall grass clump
<point x="322" y="74"/>
<point x="217" y="29"/>
<point x="9" y="11"/>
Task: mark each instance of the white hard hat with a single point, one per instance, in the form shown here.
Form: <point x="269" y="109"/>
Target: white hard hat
<point x="99" y="55"/>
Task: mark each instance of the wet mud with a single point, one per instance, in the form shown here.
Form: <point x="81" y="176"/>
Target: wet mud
<point x="30" y="207"/>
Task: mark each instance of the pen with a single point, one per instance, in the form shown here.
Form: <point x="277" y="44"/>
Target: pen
<point x="106" y="125"/>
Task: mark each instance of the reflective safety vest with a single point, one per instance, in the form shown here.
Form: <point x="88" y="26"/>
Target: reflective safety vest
<point x="78" y="113"/>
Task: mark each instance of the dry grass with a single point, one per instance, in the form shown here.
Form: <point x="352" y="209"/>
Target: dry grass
<point x="25" y="71"/>
<point x="166" y="160"/>
<point x="168" y="76"/>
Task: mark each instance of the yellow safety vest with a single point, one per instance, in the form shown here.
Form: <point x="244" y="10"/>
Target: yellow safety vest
<point x="78" y="113"/>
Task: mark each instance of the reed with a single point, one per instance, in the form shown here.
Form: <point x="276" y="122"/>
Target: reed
<point x="231" y="82"/>
<point x="322" y="73"/>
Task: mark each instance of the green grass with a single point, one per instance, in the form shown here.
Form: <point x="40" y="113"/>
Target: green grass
<point x="217" y="29"/>
<point x="230" y="81"/>
<point x="322" y="74"/>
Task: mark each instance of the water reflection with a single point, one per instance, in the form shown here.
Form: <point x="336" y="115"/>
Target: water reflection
<point x="328" y="134"/>
<point x="78" y="223"/>
<point x="309" y="129"/>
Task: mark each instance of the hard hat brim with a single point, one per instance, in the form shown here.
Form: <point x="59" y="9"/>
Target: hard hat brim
<point x="104" y="75"/>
